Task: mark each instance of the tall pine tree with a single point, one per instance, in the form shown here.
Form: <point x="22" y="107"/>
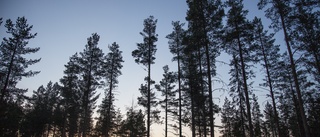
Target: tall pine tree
<point x="145" y="55"/>
<point x="90" y="70"/>
<point x="205" y="23"/>
<point x="112" y="66"/>
<point x="268" y="55"/>
<point x="176" y="48"/>
<point x="280" y="13"/>
<point x="13" y="65"/>
<point x="238" y="38"/>
<point x="71" y="96"/>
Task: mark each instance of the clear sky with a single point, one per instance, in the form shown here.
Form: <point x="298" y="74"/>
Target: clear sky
<point x="64" y="26"/>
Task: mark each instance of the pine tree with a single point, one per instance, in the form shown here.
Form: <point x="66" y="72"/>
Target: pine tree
<point x="71" y="96"/>
<point x="107" y="114"/>
<point x="306" y="35"/>
<point x="205" y="23"/>
<point x="305" y="42"/>
<point x="112" y="65"/>
<point x="176" y="48"/>
<point x="239" y="38"/>
<point x="268" y="54"/>
<point x="290" y="120"/>
<point x="12" y="62"/>
<point x="166" y="87"/>
<point x="191" y="84"/>
<point x="256" y="117"/>
<point x="90" y="68"/>
<point x="39" y="118"/>
<point x="238" y="99"/>
<point x="279" y="13"/>
<point x="36" y="119"/>
<point x="13" y="67"/>
<point x="134" y="124"/>
<point x="269" y="123"/>
<point x="145" y="55"/>
<point x="53" y="93"/>
<point x="227" y="118"/>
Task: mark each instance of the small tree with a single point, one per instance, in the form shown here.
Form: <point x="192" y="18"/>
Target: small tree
<point x="169" y="102"/>
<point x="134" y="124"/>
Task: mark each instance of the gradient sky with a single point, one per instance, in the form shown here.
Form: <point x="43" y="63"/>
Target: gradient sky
<point x="64" y="26"/>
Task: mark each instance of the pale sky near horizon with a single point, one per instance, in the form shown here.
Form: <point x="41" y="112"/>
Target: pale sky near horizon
<point x="64" y="26"/>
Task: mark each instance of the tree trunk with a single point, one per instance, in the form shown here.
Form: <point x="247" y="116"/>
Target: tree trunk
<point x="210" y="91"/>
<point x="166" y="115"/>
<point x="240" y="95"/>
<point x="202" y="108"/>
<point x="296" y="106"/>
<point x="149" y="80"/>
<point x="179" y="82"/>
<point x="110" y="101"/>
<point x="86" y="102"/>
<point x="8" y="75"/>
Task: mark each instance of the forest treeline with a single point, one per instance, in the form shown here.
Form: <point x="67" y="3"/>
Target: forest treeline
<point x="291" y="77"/>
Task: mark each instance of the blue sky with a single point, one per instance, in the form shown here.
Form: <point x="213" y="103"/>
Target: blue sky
<point x="64" y="26"/>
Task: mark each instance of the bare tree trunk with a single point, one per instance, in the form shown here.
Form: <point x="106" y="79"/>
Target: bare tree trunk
<point x="149" y="80"/>
<point x="179" y="82"/>
<point x="4" y="90"/>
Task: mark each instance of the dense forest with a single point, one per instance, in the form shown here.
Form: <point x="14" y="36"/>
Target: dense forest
<point x="214" y="27"/>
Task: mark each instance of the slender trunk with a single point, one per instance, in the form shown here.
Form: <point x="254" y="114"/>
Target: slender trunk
<point x="245" y="86"/>
<point x="8" y="75"/>
<point x="317" y="60"/>
<point x="206" y="44"/>
<point x="295" y="102"/>
<point x="166" y="113"/>
<point x="149" y="80"/>
<point x="270" y="86"/>
<point x="239" y="93"/>
<point x="110" y="101"/>
<point x="84" y="126"/>
<point x="294" y="72"/>
<point x="202" y="96"/>
<point x="86" y="102"/>
<point x="63" y="131"/>
<point x="210" y="91"/>
<point x="192" y="88"/>
<point x="193" y="125"/>
<point x="199" y="122"/>
<point x="179" y="82"/>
